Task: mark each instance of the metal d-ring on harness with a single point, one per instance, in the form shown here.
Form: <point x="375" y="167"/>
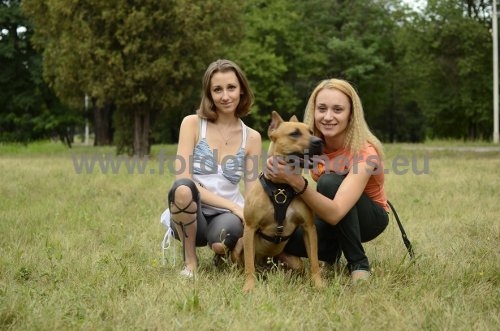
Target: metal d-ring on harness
<point x="406" y="241"/>
<point x="281" y="196"/>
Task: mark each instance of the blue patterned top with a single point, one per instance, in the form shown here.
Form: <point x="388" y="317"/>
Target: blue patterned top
<point x="205" y="160"/>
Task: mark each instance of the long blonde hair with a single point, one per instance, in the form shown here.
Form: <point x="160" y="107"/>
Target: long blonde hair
<point x="358" y="133"/>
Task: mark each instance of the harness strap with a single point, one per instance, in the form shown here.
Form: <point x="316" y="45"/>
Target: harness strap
<point x="275" y="239"/>
<point x="406" y="241"/>
<point x="281" y="196"/>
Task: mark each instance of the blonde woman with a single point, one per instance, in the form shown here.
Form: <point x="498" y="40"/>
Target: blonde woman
<point x="350" y="204"/>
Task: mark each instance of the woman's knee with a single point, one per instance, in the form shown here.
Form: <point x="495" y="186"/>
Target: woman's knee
<point x="328" y="184"/>
<point x="183" y="201"/>
<point x="183" y="191"/>
<point x="226" y="228"/>
<point x="375" y="229"/>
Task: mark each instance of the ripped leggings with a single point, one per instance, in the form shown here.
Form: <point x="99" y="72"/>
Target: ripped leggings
<point x="225" y="227"/>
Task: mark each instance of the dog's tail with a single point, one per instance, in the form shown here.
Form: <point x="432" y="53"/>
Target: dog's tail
<point x="406" y="241"/>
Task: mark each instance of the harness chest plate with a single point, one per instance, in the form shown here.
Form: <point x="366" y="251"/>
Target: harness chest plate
<point x="281" y="196"/>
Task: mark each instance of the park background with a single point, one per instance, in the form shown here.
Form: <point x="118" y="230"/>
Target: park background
<point x="82" y="250"/>
<point x="423" y="71"/>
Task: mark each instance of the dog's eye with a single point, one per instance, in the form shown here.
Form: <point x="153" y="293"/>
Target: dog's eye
<point x="296" y="134"/>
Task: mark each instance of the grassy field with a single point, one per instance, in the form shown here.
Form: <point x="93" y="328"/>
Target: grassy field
<point x="82" y="251"/>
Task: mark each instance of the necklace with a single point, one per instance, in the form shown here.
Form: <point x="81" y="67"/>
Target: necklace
<point x="224" y="138"/>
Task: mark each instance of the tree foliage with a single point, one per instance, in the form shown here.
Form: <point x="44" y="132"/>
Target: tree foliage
<point x="420" y="74"/>
<point x="270" y="54"/>
<point x="449" y="47"/>
<point x="139" y="57"/>
<point x="29" y="110"/>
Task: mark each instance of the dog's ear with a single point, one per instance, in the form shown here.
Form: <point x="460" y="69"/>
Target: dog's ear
<point x="276" y="120"/>
<point x="293" y="119"/>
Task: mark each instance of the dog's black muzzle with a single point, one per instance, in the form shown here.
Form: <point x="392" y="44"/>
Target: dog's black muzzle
<point x="315" y="149"/>
<point x="315" y="146"/>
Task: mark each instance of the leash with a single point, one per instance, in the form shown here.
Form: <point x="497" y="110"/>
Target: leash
<point x="406" y="241"/>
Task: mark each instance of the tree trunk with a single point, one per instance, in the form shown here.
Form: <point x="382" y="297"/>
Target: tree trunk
<point x="141" y="133"/>
<point x="472" y="134"/>
<point x="102" y="124"/>
<point x="391" y="117"/>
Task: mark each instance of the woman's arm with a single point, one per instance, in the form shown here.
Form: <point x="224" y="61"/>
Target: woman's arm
<point x="252" y="159"/>
<point x="331" y="211"/>
<point x="188" y="136"/>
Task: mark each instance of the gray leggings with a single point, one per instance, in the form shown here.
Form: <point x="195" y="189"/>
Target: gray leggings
<point x="225" y="227"/>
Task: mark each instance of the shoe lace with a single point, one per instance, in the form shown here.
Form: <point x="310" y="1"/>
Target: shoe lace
<point x="167" y="238"/>
<point x="166" y="244"/>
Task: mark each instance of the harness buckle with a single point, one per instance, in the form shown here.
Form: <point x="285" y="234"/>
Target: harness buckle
<point x="280" y="196"/>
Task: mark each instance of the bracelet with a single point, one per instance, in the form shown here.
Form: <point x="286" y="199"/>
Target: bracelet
<point x="305" y="187"/>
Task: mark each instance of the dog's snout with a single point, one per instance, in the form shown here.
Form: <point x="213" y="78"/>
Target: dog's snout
<point x="316" y="145"/>
<point x="315" y="141"/>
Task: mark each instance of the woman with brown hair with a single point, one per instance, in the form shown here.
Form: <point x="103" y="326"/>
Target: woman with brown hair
<point x="215" y="151"/>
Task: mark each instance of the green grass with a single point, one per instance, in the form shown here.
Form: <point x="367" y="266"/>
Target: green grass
<point x="82" y="251"/>
<point x="454" y="142"/>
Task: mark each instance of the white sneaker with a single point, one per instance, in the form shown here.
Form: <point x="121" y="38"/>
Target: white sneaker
<point x="360" y="275"/>
<point x="187" y="273"/>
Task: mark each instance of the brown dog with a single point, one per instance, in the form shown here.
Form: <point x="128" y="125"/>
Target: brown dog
<point x="265" y="235"/>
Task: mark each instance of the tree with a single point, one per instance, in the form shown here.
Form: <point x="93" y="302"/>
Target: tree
<point x="357" y="42"/>
<point x="418" y="73"/>
<point x="137" y="57"/>
<point x="289" y="46"/>
<point x="266" y="55"/>
<point x="29" y="110"/>
<point x="449" y="47"/>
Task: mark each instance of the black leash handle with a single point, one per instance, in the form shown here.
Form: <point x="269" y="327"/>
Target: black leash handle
<point x="406" y="241"/>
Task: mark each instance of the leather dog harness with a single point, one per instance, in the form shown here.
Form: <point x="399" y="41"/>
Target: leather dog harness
<point x="281" y="196"/>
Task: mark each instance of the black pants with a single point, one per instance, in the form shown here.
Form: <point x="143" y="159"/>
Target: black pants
<point x="365" y="221"/>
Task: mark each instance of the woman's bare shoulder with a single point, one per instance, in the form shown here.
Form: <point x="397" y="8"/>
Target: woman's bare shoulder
<point x="254" y="141"/>
<point x="190" y="120"/>
<point x="252" y="133"/>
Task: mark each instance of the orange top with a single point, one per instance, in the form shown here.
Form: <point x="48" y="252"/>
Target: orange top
<point x="341" y="162"/>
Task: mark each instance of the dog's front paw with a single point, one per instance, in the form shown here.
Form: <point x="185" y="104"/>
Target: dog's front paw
<point x="237" y="253"/>
<point x="249" y="285"/>
<point x="318" y="281"/>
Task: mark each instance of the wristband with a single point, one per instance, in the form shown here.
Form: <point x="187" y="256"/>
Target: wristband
<point x="305" y="187"/>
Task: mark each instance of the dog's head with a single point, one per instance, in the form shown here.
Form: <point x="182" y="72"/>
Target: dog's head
<point x="293" y="140"/>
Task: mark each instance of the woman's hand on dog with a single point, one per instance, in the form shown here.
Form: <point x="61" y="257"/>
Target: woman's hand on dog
<point x="279" y="171"/>
<point x="238" y="211"/>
